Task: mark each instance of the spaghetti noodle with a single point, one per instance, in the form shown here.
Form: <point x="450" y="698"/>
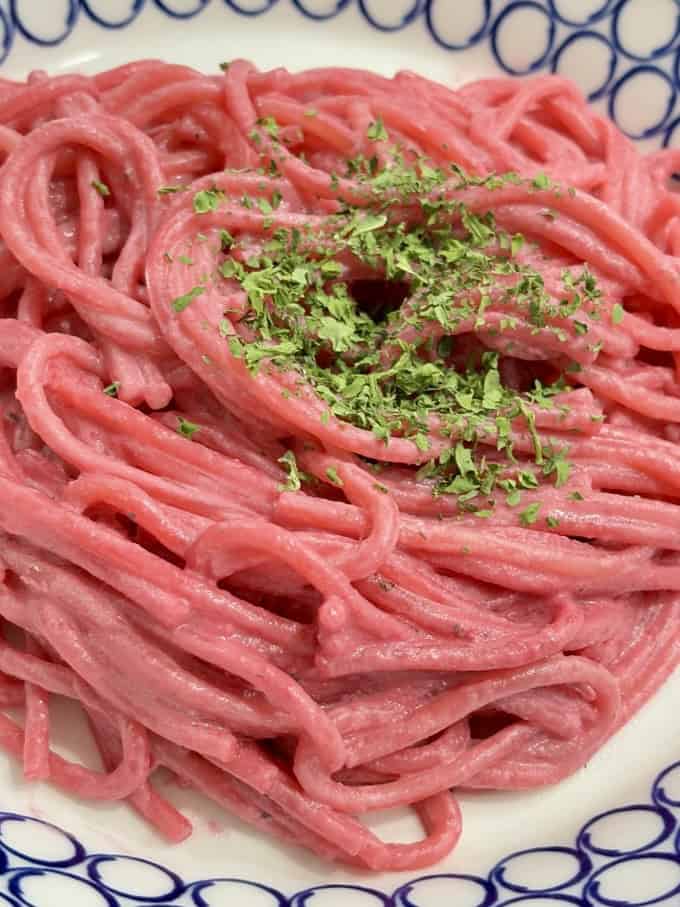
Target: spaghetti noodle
<point x="339" y="457"/>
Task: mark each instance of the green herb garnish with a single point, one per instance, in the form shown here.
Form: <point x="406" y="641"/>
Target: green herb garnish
<point x="181" y="302"/>
<point x="207" y="200"/>
<point x="289" y="463"/>
<point x="380" y="370"/>
<point x="270" y="126"/>
<point x="187" y="429"/>
<point x="541" y="181"/>
<point x="332" y="474"/>
<point x="376" y="132"/>
<point x="530" y="515"/>
<point x="101" y="188"/>
<point x="170" y="190"/>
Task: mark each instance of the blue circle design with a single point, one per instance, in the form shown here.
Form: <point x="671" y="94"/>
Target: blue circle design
<point x="174" y="891"/>
<point x="584" y="868"/>
<point x="587" y="884"/>
<point x="198" y="899"/>
<point x="266" y="6"/>
<point x="582" y="888"/>
<point x="7" y="35"/>
<point x="321" y="17"/>
<point x="135" y="9"/>
<point x="670" y="134"/>
<point x="4" y="862"/>
<point x="676" y="76"/>
<point x="585" y="842"/>
<point x="620" y="46"/>
<point x="631" y="74"/>
<point x="407" y="18"/>
<point x="165" y="6"/>
<point x="594" y="17"/>
<point x="659" y="795"/>
<point x="588" y="36"/>
<point x="69" y="24"/>
<point x="306" y="898"/>
<point x="402" y="896"/>
<point x="14" y="886"/>
<point x="591" y="890"/>
<point x="526" y="900"/>
<point x="577" y="28"/>
<point x="78" y="849"/>
<point x="503" y="17"/>
<point x="473" y="39"/>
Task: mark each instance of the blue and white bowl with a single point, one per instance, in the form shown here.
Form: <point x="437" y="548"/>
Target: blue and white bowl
<point x="606" y="837"/>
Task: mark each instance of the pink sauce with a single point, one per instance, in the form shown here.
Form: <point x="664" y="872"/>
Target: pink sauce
<point x="304" y="658"/>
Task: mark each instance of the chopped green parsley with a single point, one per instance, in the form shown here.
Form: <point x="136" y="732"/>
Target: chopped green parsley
<point x="542" y="181"/>
<point x="530" y="515"/>
<point x="182" y="302"/>
<point x="332" y="474"/>
<point x="207" y="200"/>
<point x="187" y="429"/>
<point x="170" y="190"/>
<point x="394" y="371"/>
<point x="376" y="131"/>
<point x="289" y="463"/>
<point x="101" y="188"/>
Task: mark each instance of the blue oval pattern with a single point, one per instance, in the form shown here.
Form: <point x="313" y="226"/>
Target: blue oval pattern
<point x="561" y="868"/>
<point x="626" y="857"/>
<point x="519" y="14"/>
<point x="170" y="8"/>
<point x="668" y="40"/>
<point x="437" y="13"/>
<point x="593" y="12"/>
<point x="611" y="848"/>
<point x="92" y="8"/>
<point x="560" y="30"/>
<point x="24" y="20"/>
<point x="101" y="869"/>
<point x="664" y="85"/>
<point x="587" y="41"/>
<point x="405" y="16"/>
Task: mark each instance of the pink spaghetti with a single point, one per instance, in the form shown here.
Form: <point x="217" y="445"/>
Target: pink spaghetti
<point x="304" y="603"/>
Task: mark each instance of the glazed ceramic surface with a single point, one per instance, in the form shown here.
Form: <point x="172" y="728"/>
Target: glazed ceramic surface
<point x="608" y="836"/>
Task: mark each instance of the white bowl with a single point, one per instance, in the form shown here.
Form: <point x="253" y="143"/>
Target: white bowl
<point x="607" y="836"/>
